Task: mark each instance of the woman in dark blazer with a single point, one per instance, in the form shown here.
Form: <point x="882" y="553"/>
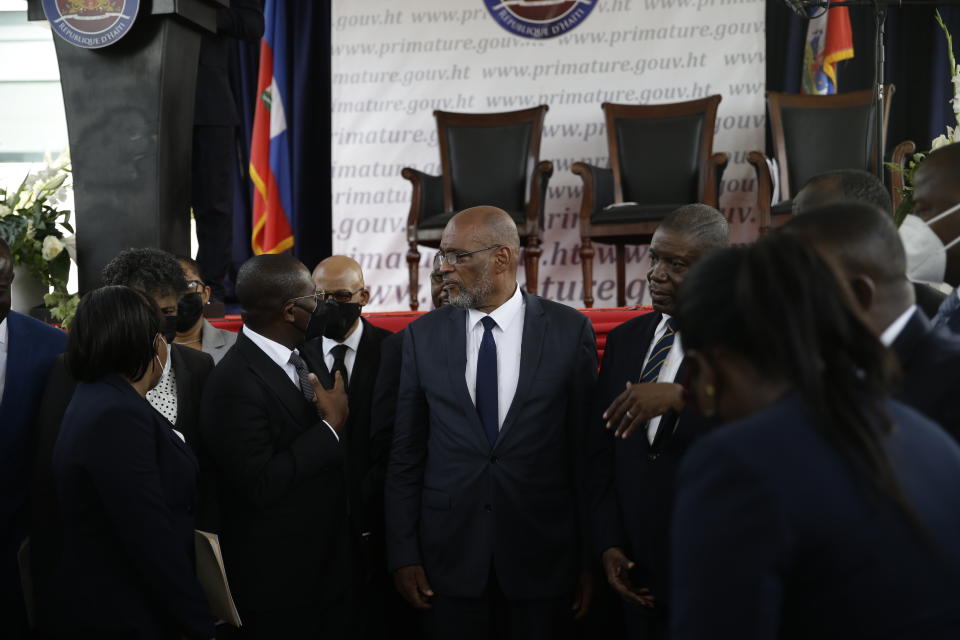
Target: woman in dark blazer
<point x="127" y="484"/>
<point x="823" y="509"/>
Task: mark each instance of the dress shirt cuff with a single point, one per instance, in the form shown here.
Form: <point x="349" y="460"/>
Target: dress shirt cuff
<point x="332" y="430"/>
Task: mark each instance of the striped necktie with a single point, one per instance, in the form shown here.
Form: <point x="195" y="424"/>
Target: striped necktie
<point x="651" y="371"/>
<point x="302" y="372"/>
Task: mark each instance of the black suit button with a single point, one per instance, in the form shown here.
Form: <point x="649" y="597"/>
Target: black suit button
<point x="487" y="507"/>
<point x="653" y="456"/>
<point x="493" y="459"/>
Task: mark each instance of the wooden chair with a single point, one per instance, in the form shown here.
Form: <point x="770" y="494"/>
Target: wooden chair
<point x="812" y="135"/>
<point x="901" y="154"/>
<point x="485" y="159"/>
<point x="661" y="158"/>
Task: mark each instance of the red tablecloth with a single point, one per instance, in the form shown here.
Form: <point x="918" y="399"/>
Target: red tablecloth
<point x="604" y="320"/>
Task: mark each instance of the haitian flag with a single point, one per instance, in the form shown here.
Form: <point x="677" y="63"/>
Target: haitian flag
<point x="829" y="40"/>
<point x="270" y="164"/>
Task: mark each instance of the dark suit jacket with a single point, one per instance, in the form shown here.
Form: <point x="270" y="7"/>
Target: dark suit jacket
<point x="383" y="411"/>
<point x="191" y="369"/>
<point x="928" y="298"/>
<point x="776" y="538"/>
<point x="128" y="486"/>
<point x="632" y="480"/>
<point x="458" y="506"/>
<point x="280" y="474"/>
<point x="366" y="497"/>
<point x="32" y="347"/>
<point x="214" y="100"/>
<point x="930" y="360"/>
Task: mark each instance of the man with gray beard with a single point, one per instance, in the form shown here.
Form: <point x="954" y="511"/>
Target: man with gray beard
<point x="484" y="504"/>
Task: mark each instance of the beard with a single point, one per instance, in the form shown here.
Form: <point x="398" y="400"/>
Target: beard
<point x="477" y="295"/>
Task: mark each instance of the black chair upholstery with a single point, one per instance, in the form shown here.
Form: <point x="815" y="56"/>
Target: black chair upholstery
<point x="486" y="159"/>
<point x="814" y="135"/>
<point x="661" y="159"/>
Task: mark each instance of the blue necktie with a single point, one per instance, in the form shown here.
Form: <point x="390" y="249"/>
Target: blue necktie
<point x="651" y="371"/>
<point x="488" y="405"/>
<point x="948" y="315"/>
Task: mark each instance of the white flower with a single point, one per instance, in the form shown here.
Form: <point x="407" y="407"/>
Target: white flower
<point x="31" y="232"/>
<point x="5" y="210"/>
<point x="70" y="242"/>
<point x="52" y="246"/>
<point x="940" y="141"/>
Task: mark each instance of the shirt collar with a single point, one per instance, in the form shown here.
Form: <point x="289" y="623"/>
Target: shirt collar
<point x="274" y="350"/>
<point x="3" y="331"/>
<point x="891" y="333"/>
<point x="352" y="342"/>
<point x="504" y="315"/>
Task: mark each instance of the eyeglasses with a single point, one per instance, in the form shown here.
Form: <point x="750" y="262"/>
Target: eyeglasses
<point x="316" y="295"/>
<point x="341" y="295"/>
<point x="193" y="286"/>
<point x="453" y="257"/>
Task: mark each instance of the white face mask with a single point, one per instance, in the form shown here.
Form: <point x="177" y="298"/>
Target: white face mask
<point x="926" y="253"/>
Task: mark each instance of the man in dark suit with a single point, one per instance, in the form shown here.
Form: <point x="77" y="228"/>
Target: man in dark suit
<point x="177" y="397"/>
<point x="215" y="137"/>
<point x="485" y="520"/>
<point x="397" y="614"/>
<point x="27" y="351"/>
<point x="852" y="185"/>
<point x="865" y="247"/>
<point x="274" y="435"/>
<point x="351" y="345"/>
<point x="646" y="427"/>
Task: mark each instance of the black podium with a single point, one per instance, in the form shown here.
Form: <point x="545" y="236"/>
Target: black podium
<point x="129" y="110"/>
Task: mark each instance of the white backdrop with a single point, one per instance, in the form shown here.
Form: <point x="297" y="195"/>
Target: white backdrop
<point x="394" y="63"/>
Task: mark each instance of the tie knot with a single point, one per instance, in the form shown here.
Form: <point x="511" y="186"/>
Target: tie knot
<point x="671" y="325"/>
<point x="339" y="351"/>
<point x="297" y="361"/>
<point x="488" y="323"/>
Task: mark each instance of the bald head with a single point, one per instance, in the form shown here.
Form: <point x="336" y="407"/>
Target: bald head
<point x="842" y="186"/>
<point x="338" y="272"/>
<point x="486" y="246"/>
<point x="863" y="243"/>
<point x="266" y="282"/>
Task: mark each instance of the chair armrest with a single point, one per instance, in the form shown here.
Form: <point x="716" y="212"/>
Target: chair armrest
<point x="716" y="165"/>
<point x="898" y="161"/>
<point x="597" y="191"/>
<point x="538" y="195"/>
<point x="764" y="188"/>
<point x="426" y="198"/>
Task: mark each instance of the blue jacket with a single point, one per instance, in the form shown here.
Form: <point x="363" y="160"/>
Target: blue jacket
<point x="31" y="349"/>
<point x="776" y="537"/>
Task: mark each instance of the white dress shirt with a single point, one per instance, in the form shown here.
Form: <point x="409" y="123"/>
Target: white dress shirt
<point x="3" y="356"/>
<point x="352" y="343"/>
<point x="508" y="334"/>
<point x="668" y="370"/>
<point x="891" y="333"/>
<point x="281" y="356"/>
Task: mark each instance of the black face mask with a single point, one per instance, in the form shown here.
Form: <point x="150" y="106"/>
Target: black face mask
<point x="169" y="328"/>
<point x="338" y="325"/>
<point x="189" y="310"/>
<point x="327" y="311"/>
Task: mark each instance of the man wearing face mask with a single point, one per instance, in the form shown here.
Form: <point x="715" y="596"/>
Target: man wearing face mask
<point x="274" y="433"/>
<point x="28" y="348"/>
<point x="931" y="236"/>
<point x="156" y="274"/>
<point x="351" y="346"/>
<point x="193" y="330"/>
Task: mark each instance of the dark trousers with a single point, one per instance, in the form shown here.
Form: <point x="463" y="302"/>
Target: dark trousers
<point x="214" y="162"/>
<point x="645" y="624"/>
<point x="495" y="617"/>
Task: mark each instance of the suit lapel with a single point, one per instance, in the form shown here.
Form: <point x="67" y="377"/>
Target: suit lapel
<point x="913" y="332"/>
<point x="455" y="341"/>
<point x="364" y="365"/>
<point x="670" y="420"/>
<point x="275" y="378"/>
<point x="183" y="382"/>
<point x="17" y="346"/>
<point x="531" y="346"/>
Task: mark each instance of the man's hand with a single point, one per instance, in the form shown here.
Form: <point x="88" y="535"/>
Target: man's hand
<point x="331" y="403"/>
<point x="584" y="596"/>
<point x="641" y="402"/>
<point x="617" y="566"/>
<point x="412" y="584"/>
